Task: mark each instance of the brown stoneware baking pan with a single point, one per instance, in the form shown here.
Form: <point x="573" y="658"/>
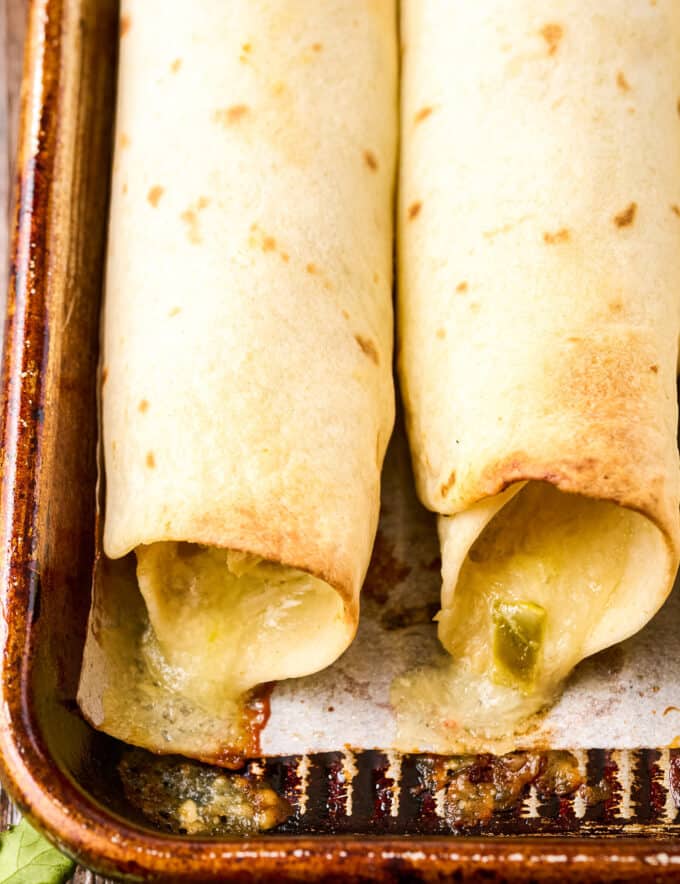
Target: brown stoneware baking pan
<point x="354" y="816"/>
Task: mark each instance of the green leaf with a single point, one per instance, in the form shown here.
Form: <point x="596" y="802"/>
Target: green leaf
<point x="28" y="858"/>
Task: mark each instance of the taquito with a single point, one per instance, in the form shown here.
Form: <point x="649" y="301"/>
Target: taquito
<point x="247" y="395"/>
<point x="538" y="320"/>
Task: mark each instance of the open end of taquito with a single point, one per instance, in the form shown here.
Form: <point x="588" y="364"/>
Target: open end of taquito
<point x="534" y="580"/>
<point x="180" y="633"/>
<point x="223" y="621"/>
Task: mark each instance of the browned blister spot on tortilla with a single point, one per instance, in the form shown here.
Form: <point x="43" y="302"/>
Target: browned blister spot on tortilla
<point x="368" y="347"/>
<point x="317" y="47"/>
<point x="176" y="65"/>
<point x="154" y="194"/>
<point x="669" y="709"/>
<point x="552" y="34"/>
<point x="285" y="257"/>
<point x="371" y="160"/>
<point x="600" y="382"/>
<point x="105" y="375"/>
<point x="174" y="311"/>
<point x="675" y="210"/>
<point x="311" y="268"/>
<point x="190" y="218"/>
<point x="622" y="82"/>
<point x="203" y="202"/>
<point x="448" y="485"/>
<point x="654" y="369"/>
<point x="462" y="287"/>
<point x="376" y="277"/>
<point x="422" y="114"/>
<point x="505" y="228"/>
<point x="125" y="187"/>
<point x="345" y="314"/>
<point x="228" y="116"/>
<point x="559" y="236"/>
<point x="125" y="24"/>
<point x="441" y="333"/>
<point x="615" y="306"/>
<point x="627" y="217"/>
<point x="143" y="405"/>
<point x="268" y="244"/>
<point x="677" y="107"/>
<point x="124" y="140"/>
<point x="150" y="460"/>
<point x="414" y="210"/>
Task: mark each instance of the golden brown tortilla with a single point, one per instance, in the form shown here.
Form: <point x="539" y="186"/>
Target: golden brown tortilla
<point x="247" y="343"/>
<point x="539" y="273"/>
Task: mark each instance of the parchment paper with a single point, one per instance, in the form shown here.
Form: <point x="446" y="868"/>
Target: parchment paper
<point x="624" y="698"/>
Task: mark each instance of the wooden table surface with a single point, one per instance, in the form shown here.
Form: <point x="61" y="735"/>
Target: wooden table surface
<point x="12" y="28"/>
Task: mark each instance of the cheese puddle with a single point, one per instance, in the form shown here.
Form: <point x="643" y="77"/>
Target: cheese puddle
<point x="222" y="621"/>
<point x="530" y="602"/>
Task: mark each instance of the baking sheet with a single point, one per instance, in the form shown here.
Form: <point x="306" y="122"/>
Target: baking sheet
<point x="624" y="698"/>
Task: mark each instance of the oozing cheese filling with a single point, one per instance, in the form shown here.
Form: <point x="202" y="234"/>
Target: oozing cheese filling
<point x="532" y="589"/>
<point x="223" y="621"/>
<point x="534" y="583"/>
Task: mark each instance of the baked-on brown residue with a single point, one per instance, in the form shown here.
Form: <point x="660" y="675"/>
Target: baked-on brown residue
<point x="371" y="160"/>
<point x="414" y="210"/>
<point x="627" y="217"/>
<point x="462" y="286"/>
<point x="143" y="405"/>
<point x="150" y="460"/>
<point x="559" y="236"/>
<point x="472" y="788"/>
<point x="176" y="65"/>
<point x="384" y="572"/>
<point x="448" y="485"/>
<point x="670" y="709"/>
<point x="125" y="24"/>
<point x="422" y="114"/>
<point x="227" y="116"/>
<point x="368" y="347"/>
<point x="622" y="82"/>
<point x="154" y="194"/>
<point x="552" y="34"/>
<point x="189" y="798"/>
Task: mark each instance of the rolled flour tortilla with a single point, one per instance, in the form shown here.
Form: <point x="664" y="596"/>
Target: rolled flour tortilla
<point x="539" y="274"/>
<point x="247" y="396"/>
